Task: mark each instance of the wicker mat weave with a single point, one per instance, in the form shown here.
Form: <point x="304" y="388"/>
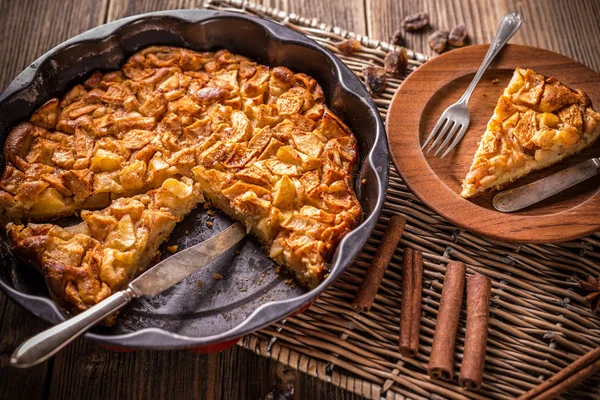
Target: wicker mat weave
<point x="538" y="325"/>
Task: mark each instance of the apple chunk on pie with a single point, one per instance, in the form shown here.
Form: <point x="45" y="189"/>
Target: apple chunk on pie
<point x="144" y="145"/>
<point x="537" y="122"/>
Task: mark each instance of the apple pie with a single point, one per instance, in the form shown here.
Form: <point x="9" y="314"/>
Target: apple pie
<point x="537" y="122"/>
<point x="135" y="150"/>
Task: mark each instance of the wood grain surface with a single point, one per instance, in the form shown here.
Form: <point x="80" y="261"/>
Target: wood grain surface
<point x="424" y="96"/>
<point x="29" y="28"/>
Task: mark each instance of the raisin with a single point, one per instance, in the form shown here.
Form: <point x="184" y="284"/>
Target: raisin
<point x="398" y="39"/>
<point x="438" y="41"/>
<point x="415" y="22"/>
<point x="348" y="46"/>
<point x="374" y="79"/>
<point x="396" y="62"/>
<point x="457" y="36"/>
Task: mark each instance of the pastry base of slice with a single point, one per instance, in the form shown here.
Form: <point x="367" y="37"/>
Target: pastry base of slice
<point x="537" y="122"/>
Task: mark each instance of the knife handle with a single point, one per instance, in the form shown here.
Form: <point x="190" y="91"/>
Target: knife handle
<point x="47" y="343"/>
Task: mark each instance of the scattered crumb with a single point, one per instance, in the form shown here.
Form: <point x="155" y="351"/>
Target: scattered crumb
<point x="209" y="224"/>
<point x="272" y="298"/>
<point x="288" y="282"/>
<point x="199" y="283"/>
<point x="173" y="249"/>
<point x="217" y="277"/>
<point x="277" y="269"/>
<point x="363" y="181"/>
<point x="211" y="212"/>
<point x="293" y="287"/>
<point x="276" y="276"/>
<point x="243" y="290"/>
<point x="237" y="252"/>
<point x="495" y="81"/>
<point x="261" y="279"/>
<point x="187" y="232"/>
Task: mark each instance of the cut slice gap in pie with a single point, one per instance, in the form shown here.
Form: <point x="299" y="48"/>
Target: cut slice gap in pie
<point x="537" y="122"/>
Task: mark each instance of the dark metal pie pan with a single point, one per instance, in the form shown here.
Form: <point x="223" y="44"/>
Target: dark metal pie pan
<point x="202" y="311"/>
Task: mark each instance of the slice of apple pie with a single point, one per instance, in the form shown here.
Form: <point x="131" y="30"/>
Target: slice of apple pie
<point x="85" y="263"/>
<point x="537" y="122"/>
<point x="149" y="142"/>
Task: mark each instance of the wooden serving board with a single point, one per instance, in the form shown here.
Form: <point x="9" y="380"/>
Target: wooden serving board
<point x="429" y="90"/>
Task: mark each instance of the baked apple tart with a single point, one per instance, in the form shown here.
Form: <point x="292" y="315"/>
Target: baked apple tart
<point x="537" y="122"/>
<point x="133" y="151"/>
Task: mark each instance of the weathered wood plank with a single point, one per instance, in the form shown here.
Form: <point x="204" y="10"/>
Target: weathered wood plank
<point x="347" y="14"/>
<point x="571" y="28"/>
<point x="384" y="17"/>
<point x="29" y="28"/>
<point x="86" y="371"/>
<point x="16" y="325"/>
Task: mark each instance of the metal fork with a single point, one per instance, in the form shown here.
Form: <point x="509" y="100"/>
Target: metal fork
<point x="454" y="122"/>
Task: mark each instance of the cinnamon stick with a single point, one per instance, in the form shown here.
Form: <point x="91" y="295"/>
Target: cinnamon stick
<point x="441" y="362"/>
<point x="410" y="319"/>
<point x="370" y="285"/>
<point x="479" y="290"/>
<point x="567" y="378"/>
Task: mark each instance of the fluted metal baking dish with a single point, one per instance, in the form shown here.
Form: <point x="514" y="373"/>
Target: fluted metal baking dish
<point x="202" y="312"/>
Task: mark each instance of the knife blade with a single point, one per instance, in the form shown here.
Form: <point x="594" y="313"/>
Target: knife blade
<point x="184" y="263"/>
<point x="527" y="195"/>
<point x="160" y="277"/>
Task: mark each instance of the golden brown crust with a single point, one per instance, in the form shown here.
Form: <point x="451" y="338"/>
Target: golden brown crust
<point x="537" y="122"/>
<point x="18" y="142"/>
<point x="259" y="142"/>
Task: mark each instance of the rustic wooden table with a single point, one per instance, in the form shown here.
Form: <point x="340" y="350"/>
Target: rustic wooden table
<point x="29" y="28"/>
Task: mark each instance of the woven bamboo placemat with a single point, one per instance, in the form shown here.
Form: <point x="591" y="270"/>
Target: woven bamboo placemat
<point x="538" y="322"/>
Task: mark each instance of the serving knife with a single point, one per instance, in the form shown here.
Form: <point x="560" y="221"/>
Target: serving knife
<point x="526" y="195"/>
<point x="158" y="278"/>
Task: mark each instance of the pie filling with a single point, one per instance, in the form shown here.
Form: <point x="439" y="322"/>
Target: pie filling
<point x="144" y="145"/>
<point x="537" y="122"/>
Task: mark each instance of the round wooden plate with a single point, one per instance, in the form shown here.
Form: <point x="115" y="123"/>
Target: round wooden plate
<point x="426" y="93"/>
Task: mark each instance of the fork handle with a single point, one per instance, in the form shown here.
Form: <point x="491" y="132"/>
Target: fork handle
<point x="508" y="26"/>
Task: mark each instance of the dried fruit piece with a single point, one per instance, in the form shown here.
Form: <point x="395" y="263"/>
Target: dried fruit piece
<point x="374" y="79"/>
<point x="591" y="285"/>
<point x="457" y="36"/>
<point x="348" y="46"/>
<point x="397" y="39"/>
<point x="415" y="22"/>
<point x="396" y="61"/>
<point x="438" y="40"/>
